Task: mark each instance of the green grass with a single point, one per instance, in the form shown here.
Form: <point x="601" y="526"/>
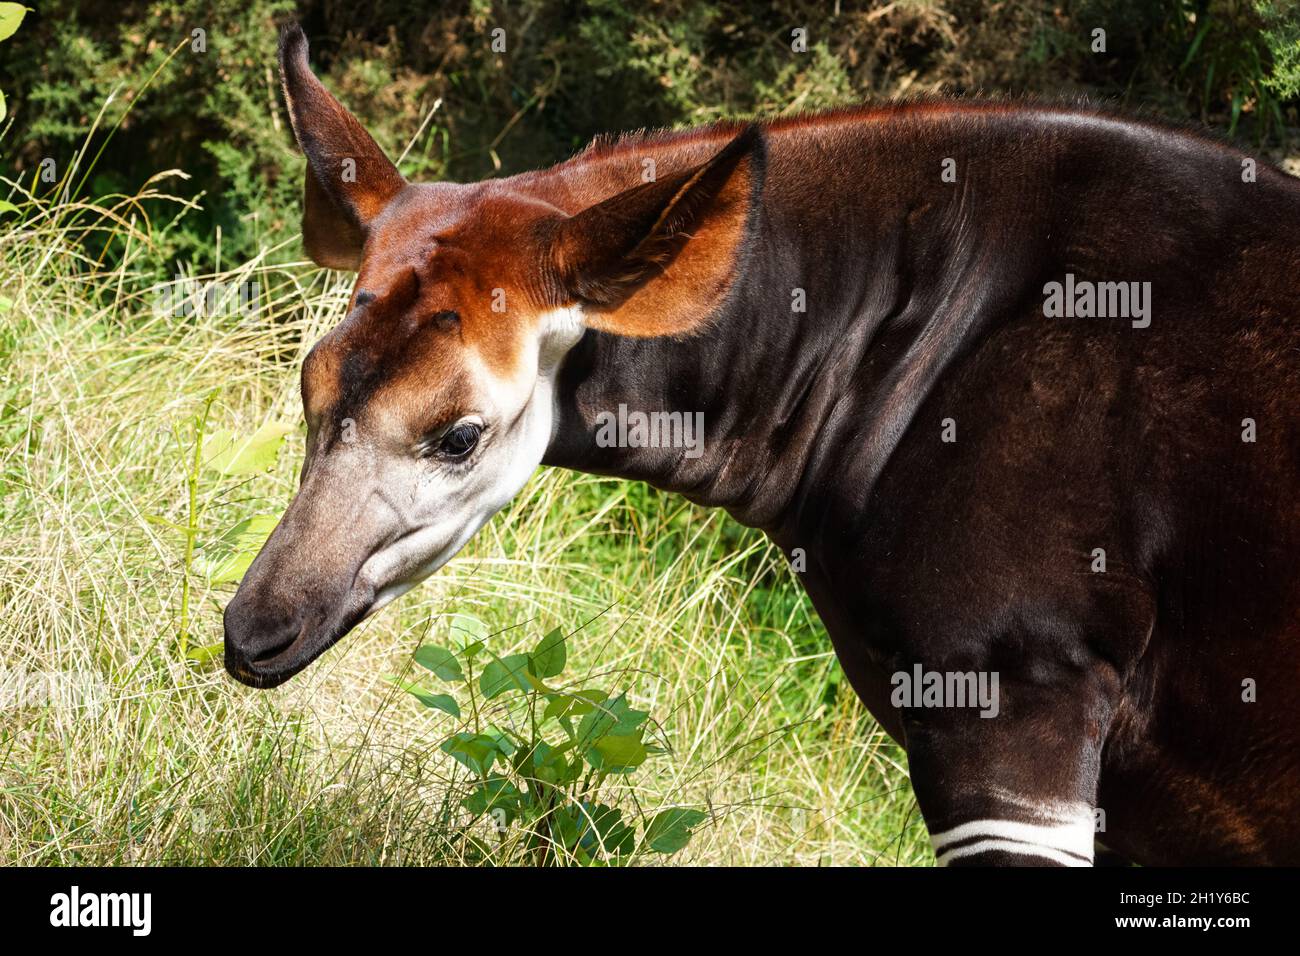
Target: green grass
<point x="116" y="748"/>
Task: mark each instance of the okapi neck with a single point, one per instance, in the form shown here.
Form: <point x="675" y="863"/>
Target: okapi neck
<point x="867" y="274"/>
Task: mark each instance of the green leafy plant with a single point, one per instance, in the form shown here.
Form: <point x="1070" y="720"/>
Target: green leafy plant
<point x="224" y="557"/>
<point x="544" y="757"/>
<point x="1238" y="54"/>
<point x="11" y="17"/>
<point x="1281" y="35"/>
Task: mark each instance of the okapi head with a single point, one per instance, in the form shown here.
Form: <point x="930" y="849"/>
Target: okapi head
<point x="431" y="403"/>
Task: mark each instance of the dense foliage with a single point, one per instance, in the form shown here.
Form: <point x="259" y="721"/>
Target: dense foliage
<point x="208" y="102"/>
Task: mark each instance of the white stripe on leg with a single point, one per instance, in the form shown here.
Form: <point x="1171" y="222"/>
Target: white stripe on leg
<point x="1067" y="839"/>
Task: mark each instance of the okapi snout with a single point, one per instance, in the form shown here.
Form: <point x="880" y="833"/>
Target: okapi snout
<point x="305" y="589"/>
<point x="268" y="640"/>
<point x="258" y="642"/>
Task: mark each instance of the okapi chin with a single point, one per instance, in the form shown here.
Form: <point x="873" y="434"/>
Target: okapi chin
<point x="1100" y="510"/>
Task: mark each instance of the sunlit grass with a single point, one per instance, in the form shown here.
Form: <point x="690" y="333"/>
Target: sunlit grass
<point x="116" y="749"/>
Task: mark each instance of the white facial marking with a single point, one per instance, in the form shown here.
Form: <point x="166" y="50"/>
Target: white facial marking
<point x="448" y="503"/>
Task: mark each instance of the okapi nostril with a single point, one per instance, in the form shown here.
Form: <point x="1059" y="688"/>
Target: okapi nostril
<point x="254" y="637"/>
<point x="274" y="652"/>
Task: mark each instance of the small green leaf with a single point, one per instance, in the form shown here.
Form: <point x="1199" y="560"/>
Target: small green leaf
<point x="628" y="722"/>
<point x="550" y="655"/>
<point x="610" y="717"/>
<point x="504" y="674"/>
<point x="575" y="704"/>
<point x="443" y="702"/>
<point x="536" y="683"/>
<point x="617" y="753"/>
<point x="475" y="751"/>
<point x="439" y="660"/>
<point x="568" y="824"/>
<point x="226" y="558"/>
<point x="206" y="653"/>
<point x="549" y="765"/>
<point x="153" y="519"/>
<point x="4" y="111"/>
<point x="495" y="795"/>
<point x="502" y="742"/>
<point x="670" y="830"/>
<point x="599" y="721"/>
<point x="228" y="455"/>
<point x="468" y="628"/>
<point x="610" y="833"/>
<point x="11" y="15"/>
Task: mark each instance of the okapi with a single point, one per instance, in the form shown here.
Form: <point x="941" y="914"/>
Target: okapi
<point x="1101" y="512"/>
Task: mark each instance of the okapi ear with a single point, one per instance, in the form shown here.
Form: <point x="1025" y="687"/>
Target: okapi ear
<point x="349" y="179"/>
<point x="658" y="259"/>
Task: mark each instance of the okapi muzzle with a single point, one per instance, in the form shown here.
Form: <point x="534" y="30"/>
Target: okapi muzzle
<point x="1012" y="386"/>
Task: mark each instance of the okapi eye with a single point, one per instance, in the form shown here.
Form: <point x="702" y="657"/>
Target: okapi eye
<point x="460" y="440"/>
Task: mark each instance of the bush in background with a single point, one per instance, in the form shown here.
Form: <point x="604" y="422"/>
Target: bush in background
<point x="573" y="70"/>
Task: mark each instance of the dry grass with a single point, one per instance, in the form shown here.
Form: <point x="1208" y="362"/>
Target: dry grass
<point x="115" y="748"/>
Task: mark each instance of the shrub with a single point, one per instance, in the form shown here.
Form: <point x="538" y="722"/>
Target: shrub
<point x="431" y="87"/>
